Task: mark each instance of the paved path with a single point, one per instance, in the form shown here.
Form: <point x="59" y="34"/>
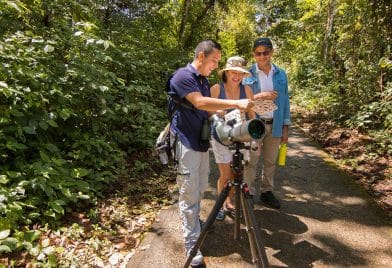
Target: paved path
<point x="326" y="220"/>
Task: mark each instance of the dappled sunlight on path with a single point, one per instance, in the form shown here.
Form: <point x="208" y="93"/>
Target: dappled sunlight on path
<point x="326" y="220"/>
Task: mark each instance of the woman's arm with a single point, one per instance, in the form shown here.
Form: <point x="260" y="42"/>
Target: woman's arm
<point x="215" y="91"/>
<point x="249" y="95"/>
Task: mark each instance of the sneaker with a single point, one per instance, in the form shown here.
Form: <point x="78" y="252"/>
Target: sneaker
<point x="221" y="215"/>
<point x="197" y="260"/>
<point x="269" y="199"/>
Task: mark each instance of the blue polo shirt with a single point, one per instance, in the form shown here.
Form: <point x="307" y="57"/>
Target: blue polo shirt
<point x="186" y="122"/>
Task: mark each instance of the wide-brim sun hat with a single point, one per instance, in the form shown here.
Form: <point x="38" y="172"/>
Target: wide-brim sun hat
<point x="235" y="63"/>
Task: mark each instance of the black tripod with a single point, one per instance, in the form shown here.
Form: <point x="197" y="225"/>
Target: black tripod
<point x="242" y="199"/>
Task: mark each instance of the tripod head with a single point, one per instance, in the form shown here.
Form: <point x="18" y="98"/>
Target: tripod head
<point x="237" y="165"/>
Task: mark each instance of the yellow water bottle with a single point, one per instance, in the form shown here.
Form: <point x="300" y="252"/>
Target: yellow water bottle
<point x="282" y="154"/>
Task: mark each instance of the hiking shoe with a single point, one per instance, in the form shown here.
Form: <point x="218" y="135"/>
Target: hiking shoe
<point x="221" y="215"/>
<point x="197" y="260"/>
<point x="269" y="199"/>
<point x="231" y="212"/>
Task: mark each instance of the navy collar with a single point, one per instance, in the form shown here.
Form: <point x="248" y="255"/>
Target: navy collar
<point x="193" y="70"/>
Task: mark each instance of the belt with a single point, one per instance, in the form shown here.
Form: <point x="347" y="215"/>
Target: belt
<point x="267" y="121"/>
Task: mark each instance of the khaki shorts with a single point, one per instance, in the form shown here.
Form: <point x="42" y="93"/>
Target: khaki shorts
<point x="222" y="153"/>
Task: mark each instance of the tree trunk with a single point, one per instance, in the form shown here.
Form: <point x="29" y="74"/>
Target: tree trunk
<point x="199" y="19"/>
<point x="328" y="30"/>
<point x="184" y="20"/>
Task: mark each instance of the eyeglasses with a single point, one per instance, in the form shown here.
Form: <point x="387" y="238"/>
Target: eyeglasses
<point x="264" y="53"/>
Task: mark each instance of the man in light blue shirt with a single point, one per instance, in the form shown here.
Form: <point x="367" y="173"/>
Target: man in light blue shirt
<point x="268" y="82"/>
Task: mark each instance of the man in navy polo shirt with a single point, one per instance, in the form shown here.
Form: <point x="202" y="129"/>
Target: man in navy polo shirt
<point x="190" y="84"/>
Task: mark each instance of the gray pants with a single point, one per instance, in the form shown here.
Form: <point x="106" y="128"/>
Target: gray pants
<point x="269" y="149"/>
<point x="192" y="180"/>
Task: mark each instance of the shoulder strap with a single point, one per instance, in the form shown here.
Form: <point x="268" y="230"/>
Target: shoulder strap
<point x="172" y="97"/>
<point x="242" y="92"/>
<point x="222" y="93"/>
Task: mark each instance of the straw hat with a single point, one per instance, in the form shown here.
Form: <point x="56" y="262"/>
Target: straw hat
<point x="235" y="63"/>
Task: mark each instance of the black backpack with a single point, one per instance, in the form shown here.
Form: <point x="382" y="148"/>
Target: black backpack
<point x="165" y="144"/>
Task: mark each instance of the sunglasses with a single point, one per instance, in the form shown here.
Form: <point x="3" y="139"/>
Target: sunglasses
<point x="264" y="53"/>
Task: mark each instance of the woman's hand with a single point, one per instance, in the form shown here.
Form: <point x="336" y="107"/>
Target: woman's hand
<point x="221" y="113"/>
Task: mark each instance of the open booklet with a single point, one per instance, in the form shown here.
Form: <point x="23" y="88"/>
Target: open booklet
<point x="260" y="107"/>
<point x="263" y="106"/>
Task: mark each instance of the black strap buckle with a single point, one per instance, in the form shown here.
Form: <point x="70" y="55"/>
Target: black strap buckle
<point x="267" y="121"/>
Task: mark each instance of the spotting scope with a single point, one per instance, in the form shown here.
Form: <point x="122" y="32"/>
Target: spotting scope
<point x="232" y="131"/>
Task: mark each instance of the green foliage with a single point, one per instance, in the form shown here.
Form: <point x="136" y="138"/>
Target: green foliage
<point x="82" y="87"/>
<point x="237" y="30"/>
<point x="338" y="57"/>
<point x="28" y="241"/>
<point x="75" y="101"/>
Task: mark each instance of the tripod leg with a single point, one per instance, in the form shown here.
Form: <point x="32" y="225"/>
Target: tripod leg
<point x="237" y="218"/>
<point x="259" y="257"/>
<point x="210" y="220"/>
